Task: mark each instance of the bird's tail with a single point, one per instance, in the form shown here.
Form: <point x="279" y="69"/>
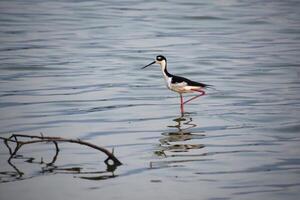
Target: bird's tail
<point x="207" y="86"/>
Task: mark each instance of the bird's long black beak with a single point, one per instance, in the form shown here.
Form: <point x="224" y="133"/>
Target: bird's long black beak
<point x="148" y="65"/>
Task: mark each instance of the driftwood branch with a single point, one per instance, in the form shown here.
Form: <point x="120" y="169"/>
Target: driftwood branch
<point x="20" y="141"/>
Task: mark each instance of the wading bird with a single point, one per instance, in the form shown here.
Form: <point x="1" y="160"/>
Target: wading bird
<point x="179" y="84"/>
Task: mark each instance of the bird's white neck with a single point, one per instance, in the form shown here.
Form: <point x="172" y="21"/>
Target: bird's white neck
<point x="166" y="74"/>
<point x="163" y="65"/>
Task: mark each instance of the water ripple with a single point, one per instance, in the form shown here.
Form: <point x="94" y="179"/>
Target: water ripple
<point x="72" y="68"/>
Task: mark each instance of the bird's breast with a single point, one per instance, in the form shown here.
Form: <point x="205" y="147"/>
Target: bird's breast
<point x="168" y="81"/>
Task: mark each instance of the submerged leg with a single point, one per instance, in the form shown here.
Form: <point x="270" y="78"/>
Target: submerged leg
<point x="181" y="104"/>
<point x="199" y="95"/>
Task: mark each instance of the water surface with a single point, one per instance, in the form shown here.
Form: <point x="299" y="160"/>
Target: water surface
<point x="72" y="69"/>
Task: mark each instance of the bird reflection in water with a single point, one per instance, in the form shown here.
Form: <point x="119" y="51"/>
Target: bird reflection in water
<point x="178" y="143"/>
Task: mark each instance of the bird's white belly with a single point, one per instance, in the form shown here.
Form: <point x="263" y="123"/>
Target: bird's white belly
<point x="183" y="89"/>
<point x="180" y="87"/>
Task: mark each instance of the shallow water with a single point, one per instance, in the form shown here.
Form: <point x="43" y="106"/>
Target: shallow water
<point x="72" y="69"/>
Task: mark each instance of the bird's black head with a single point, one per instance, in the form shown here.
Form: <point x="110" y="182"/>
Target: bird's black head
<point x="160" y="58"/>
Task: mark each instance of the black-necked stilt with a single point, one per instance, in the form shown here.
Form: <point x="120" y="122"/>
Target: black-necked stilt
<point x="179" y="84"/>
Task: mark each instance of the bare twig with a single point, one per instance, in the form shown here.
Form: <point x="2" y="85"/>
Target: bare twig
<point x="56" y="154"/>
<point x="31" y="139"/>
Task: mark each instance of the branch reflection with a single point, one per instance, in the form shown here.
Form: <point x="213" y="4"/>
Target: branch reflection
<point x="50" y="168"/>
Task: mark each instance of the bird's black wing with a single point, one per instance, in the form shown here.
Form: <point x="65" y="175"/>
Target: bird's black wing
<point x="179" y="79"/>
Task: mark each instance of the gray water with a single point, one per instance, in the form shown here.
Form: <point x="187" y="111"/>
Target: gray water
<point x="72" y="69"/>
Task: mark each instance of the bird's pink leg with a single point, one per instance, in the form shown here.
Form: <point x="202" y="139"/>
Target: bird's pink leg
<point x="201" y="94"/>
<point x="181" y="104"/>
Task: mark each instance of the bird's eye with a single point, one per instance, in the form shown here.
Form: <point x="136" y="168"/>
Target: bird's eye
<point x="159" y="58"/>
